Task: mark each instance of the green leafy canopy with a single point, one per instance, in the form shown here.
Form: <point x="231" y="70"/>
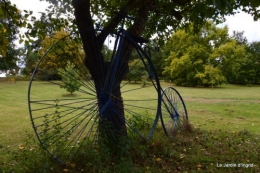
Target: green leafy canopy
<point x="159" y="16"/>
<point x="164" y="15"/>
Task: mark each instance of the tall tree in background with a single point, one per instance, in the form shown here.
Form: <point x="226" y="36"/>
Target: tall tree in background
<point x="30" y="58"/>
<point x="65" y="47"/>
<point x="9" y="62"/>
<point x="9" y="24"/>
<point x="8" y="30"/>
<point x="251" y="69"/>
<point x="189" y="61"/>
<point x="230" y="57"/>
<point x="208" y="57"/>
<point x="11" y="21"/>
<point x="68" y="76"/>
<point x="239" y="37"/>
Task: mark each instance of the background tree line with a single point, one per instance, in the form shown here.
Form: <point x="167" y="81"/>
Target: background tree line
<point x="209" y="57"/>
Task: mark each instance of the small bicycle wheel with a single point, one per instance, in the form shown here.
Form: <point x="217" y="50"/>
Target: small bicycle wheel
<point x="174" y="114"/>
<point x="65" y="101"/>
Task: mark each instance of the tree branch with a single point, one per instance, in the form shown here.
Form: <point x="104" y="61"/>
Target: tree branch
<point x="182" y="2"/>
<point x="114" y="22"/>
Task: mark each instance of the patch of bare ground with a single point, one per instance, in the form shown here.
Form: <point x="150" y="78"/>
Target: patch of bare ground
<point x="207" y="100"/>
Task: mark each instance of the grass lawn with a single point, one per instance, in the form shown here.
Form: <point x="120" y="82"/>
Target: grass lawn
<point x="225" y="117"/>
<point x="228" y="107"/>
<point x="14" y="114"/>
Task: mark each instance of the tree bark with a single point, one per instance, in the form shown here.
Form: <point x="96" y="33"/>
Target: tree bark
<point x="112" y="121"/>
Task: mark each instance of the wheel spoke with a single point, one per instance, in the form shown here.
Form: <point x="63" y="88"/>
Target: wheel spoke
<point x="174" y="113"/>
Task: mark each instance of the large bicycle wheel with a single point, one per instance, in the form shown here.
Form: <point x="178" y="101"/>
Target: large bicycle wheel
<point x="174" y="115"/>
<point x="67" y="106"/>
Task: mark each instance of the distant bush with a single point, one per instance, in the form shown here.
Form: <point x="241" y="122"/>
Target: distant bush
<point x="17" y="78"/>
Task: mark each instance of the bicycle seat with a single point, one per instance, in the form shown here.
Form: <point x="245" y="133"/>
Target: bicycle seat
<point x="139" y="39"/>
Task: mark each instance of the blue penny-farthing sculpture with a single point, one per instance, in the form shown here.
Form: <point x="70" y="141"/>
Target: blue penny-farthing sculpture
<point x="121" y="95"/>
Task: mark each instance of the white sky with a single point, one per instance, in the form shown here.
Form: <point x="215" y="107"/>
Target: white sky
<point x="239" y="22"/>
<point x="244" y="22"/>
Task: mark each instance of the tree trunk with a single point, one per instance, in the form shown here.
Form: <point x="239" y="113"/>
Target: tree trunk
<point x="112" y="121"/>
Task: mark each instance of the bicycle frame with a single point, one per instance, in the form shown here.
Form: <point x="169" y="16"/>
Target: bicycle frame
<point x="121" y="36"/>
<point x="107" y="91"/>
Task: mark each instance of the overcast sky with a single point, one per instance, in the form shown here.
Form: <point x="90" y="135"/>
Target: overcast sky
<point x="244" y="22"/>
<point x="239" y="22"/>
